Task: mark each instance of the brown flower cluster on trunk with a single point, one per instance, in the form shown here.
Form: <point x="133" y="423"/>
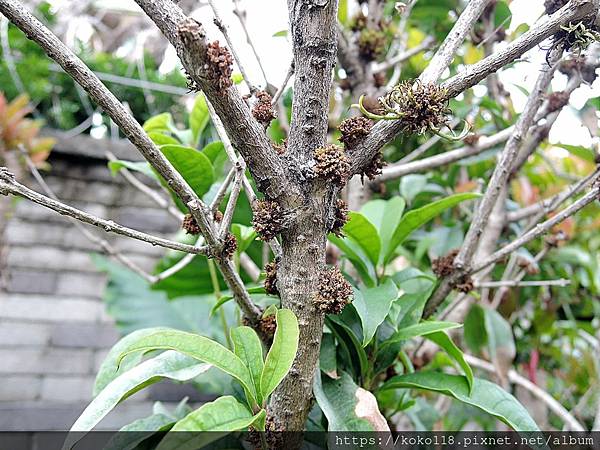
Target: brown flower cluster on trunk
<point x="218" y="216"/>
<point x="190" y="225"/>
<point x="472" y="139"/>
<point x="464" y="285"/>
<point x="281" y="148"/>
<point x="444" y="265"/>
<point x="220" y="65"/>
<point x="420" y="107"/>
<point x="334" y="291"/>
<point x="268" y="325"/>
<point x="267" y="219"/>
<point x="229" y="246"/>
<point x="374" y="168"/>
<point x="271" y="278"/>
<point x="354" y="129"/>
<point x="341" y="217"/>
<point x="263" y="110"/>
<point x="332" y="164"/>
<point x="557" y="100"/>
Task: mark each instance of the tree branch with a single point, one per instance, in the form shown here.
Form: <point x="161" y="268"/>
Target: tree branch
<point x="385" y="131"/>
<point x="497" y="183"/>
<point x="570" y="421"/>
<point x="9" y="185"/>
<point x="539" y="230"/>
<point x="314" y="37"/>
<point x="445" y="54"/>
<point x="247" y="135"/>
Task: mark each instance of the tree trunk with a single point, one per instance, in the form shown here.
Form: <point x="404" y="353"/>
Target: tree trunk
<point x="298" y="278"/>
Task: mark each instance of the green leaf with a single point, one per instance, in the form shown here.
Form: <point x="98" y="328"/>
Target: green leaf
<point x="171" y="365"/>
<point x="244" y="235"/>
<point x="502" y="15"/>
<point x="141" y="167"/>
<point x="282" y="33"/>
<point x="347" y="338"/>
<point x="356" y="256"/>
<point x="226" y="298"/>
<point x="247" y="346"/>
<point x="198" y="347"/>
<point x="443" y="340"/>
<point x="282" y="352"/>
<point x="373" y="305"/>
<point x="199" y="117"/>
<point x="412" y="185"/>
<point x="485" y="395"/>
<point x="130" y="436"/>
<point x="392" y="216"/>
<point x="421" y="329"/>
<point x="224" y="415"/>
<point x="193" y="166"/>
<point x="110" y="367"/>
<point x="160" y="123"/>
<point x="418" y="217"/>
<point x="360" y="230"/>
<point x="485" y="327"/>
<point x="215" y="151"/>
<point x="585" y="153"/>
<point x="161" y="138"/>
<point x="347" y="406"/>
<point x="343" y="12"/>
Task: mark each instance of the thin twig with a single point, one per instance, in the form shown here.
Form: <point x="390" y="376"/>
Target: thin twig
<point x="146" y="190"/>
<point x="570" y="421"/>
<point x="102" y="243"/>
<point x="518" y="283"/>
<point x="404" y="56"/>
<point x="284" y="85"/>
<point x="233" y="199"/>
<point x="223" y="28"/>
<point x="8" y="185"/>
<point x="445" y="54"/>
<point x="234" y="159"/>
<point x="539" y="230"/>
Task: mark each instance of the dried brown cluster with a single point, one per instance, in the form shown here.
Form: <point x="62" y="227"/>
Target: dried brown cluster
<point x="374" y="168"/>
<point x="464" y="285"/>
<point x="354" y="129"/>
<point x="267" y="219"/>
<point x="552" y="6"/>
<point x="271" y="278"/>
<point x="220" y="65"/>
<point x="421" y="106"/>
<point x="379" y="79"/>
<point x="268" y="325"/>
<point x="332" y="164"/>
<point x="263" y="110"/>
<point x="359" y="22"/>
<point x="472" y="139"/>
<point x="371" y="44"/>
<point x="229" y="246"/>
<point x="334" y="292"/>
<point x="218" y="216"/>
<point x="190" y="225"/>
<point x="340" y="218"/>
<point x="557" y="100"/>
<point x="444" y="265"/>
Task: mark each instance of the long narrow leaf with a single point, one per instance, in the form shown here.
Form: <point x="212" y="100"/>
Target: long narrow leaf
<point x="282" y="353"/>
<point x="485" y="395"/>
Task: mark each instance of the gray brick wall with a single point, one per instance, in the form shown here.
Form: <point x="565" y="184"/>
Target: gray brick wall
<point x="54" y="331"/>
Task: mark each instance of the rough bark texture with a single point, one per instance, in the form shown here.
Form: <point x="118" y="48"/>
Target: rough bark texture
<point x="313" y="28"/>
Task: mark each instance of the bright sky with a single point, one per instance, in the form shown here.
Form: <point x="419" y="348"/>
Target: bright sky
<point x="267" y="17"/>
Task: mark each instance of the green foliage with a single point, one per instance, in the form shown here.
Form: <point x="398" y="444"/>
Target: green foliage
<point x="485" y="395"/>
<point x="185" y="357"/>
